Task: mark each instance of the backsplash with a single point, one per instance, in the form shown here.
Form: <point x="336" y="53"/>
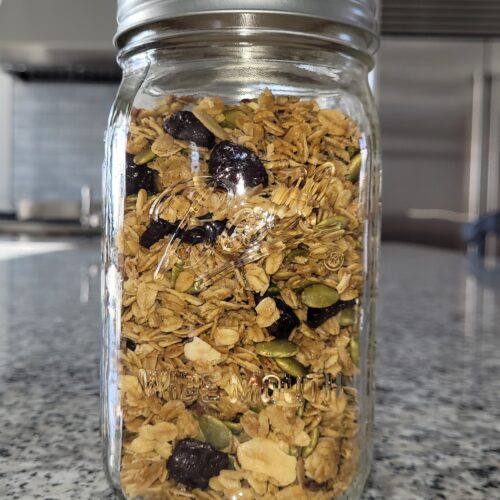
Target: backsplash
<point x="58" y="131"/>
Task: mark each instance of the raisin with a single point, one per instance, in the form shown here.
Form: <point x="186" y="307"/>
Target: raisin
<point x="283" y="327"/>
<point x="314" y="486"/>
<point x="155" y="232"/>
<point x="213" y="230"/>
<point x="286" y="323"/>
<point x="193" y="463"/>
<point x="317" y="316"/>
<point x="131" y="345"/>
<point x="185" y="126"/>
<point x="232" y="165"/>
<point x="139" y="177"/>
<point x="206" y="216"/>
<point x="206" y="233"/>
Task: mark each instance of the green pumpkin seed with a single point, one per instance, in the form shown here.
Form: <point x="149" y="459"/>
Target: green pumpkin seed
<point x="277" y="349"/>
<point x="352" y="150"/>
<point x="355" y="351"/>
<point x="291" y="366"/>
<point x="314" y="441"/>
<point x="176" y="270"/>
<point x="231" y="117"/>
<point x="300" y="410"/>
<point x="234" y="427"/>
<point x="319" y="296"/>
<point x="216" y="433"/>
<point x="346" y="317"/>
<point x="144" y="157"/>
<point x="294" y="451"/>
<point x="273" y="290"/>
<point x="197" y="287"/>
<point x="339" y="221"/>
<point x="354" y="169"/>
<point x="299" y="255"/>
<point x="200" y="436"/>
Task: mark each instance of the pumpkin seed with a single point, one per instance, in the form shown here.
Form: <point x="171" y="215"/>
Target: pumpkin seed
<point x="234" y="427"/>
<point x="144" y="156"/>
<point x="231" y="117"/>
<point x="299" y="255"/>
<point x="352" y="150"/>
<point x="346" y="317"/>
<point x="277" y="349"/>
<point x="354" y="168"/>
<point x="339" y="221"/>
<point x="355" y="351"/>
<point x="216" y="432"/>
<point x="273" y="290"/>
<point x="319" y="296"/>
<point x="291" y="366"/>
<point x="294" y="451"/>
<point x="314" y="436"/>
<point x="176" y="270"/>
<point x="197" y="287"/>
<point x="300" y="410"/>
<point x="200" y="436"/>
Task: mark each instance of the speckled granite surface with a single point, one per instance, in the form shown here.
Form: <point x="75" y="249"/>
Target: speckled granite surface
<point x="437" y="431"/>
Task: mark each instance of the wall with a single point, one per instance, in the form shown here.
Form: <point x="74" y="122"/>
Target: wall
<point x="58" y="131"/>
<point x="5" y="143"/>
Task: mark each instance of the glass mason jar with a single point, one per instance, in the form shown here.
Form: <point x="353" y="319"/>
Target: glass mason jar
<point x="241" y="187"/>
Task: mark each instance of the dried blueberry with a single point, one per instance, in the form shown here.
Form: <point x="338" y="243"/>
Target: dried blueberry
<point x="213" y="230"/>
<point x="206" y="216"/>
<point x="282" y="327"/>
<point x="139" y="177"/>
<point x="185" y="126"/>
<point x="317" y="316"/>
<point x="231" y="164"/>
<point x="193" y="463"/>
<point x="155" y="232"/>
<point x="206" y="233"/>
<point x="131" y="345"/>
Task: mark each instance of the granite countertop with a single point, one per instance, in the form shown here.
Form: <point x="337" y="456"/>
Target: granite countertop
<point x="437" y="430"/>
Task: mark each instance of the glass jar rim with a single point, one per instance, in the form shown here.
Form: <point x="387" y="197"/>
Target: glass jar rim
<point x="353" y="23"/>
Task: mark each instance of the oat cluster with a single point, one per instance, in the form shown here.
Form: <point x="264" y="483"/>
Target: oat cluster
<point x="241" y="257"/>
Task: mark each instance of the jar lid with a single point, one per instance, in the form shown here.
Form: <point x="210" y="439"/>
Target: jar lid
<point x="361" y="15"/>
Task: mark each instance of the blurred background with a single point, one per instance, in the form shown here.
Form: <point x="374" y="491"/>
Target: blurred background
<point x="437" y="82"/>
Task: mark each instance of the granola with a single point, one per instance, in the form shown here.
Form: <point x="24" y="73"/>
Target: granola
<point x="242" y="265"/>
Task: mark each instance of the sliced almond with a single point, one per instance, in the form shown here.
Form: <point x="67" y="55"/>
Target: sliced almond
<point x="199" y="350"/>
<point x="211" y="124"/>
<point x="267" y="312"/>
<point x="226" y="336"/>
<point x="162" y="431"/>
<point x="265" y="457"/>
<point x="142" y="445"/>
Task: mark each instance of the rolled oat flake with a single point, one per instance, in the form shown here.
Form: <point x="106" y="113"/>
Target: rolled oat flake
<point x="241" y="193"/>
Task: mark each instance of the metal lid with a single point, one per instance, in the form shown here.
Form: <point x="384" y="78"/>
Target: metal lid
<point x="357" y="14"/>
